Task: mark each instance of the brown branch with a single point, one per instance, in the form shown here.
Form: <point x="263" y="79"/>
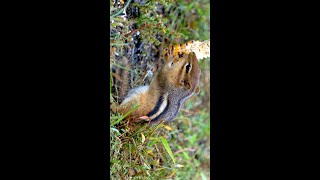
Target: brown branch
<point x="142" y="27"/>
<point x="186" y="149"/>
<point x="117" y="77"/>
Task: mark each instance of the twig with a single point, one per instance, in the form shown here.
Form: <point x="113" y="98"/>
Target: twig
<point x="143" y="26"/>
<point x="117" y="77"/>
<point x="186" y="149"/>
<point x="188" y="112"/>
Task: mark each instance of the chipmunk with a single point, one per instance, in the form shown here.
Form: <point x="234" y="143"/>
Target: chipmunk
<point x="177" y="80"/>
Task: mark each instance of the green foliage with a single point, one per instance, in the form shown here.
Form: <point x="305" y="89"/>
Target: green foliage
<point x="122" y="117"/>
<point x="167" y="147"/>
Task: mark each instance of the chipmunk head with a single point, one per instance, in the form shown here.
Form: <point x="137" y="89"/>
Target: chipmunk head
<point x="182" y="71"/>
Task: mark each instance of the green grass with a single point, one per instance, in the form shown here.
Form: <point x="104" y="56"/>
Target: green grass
<point x="181" y="149"/>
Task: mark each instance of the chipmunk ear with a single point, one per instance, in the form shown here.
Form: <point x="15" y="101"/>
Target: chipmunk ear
<point x="197" y="90"/>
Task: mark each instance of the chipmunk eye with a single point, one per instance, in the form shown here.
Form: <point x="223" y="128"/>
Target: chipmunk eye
<point x="188" y="67"/>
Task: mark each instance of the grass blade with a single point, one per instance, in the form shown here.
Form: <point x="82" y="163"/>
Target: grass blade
<point x="120" y="119"/>
<point x="167" y="147"/>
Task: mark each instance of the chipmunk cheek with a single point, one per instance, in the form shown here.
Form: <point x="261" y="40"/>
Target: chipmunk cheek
<point x="186" y="84"/>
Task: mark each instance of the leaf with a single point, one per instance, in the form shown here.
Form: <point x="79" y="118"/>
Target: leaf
<point x="179" y="165"/>
<point x="143" y="138"/>
<point x="167" y="147"/>
<point x="167" y="127"/>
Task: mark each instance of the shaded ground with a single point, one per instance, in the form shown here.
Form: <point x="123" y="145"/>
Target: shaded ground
<point x="139" y="30"/>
